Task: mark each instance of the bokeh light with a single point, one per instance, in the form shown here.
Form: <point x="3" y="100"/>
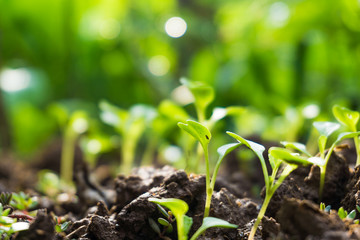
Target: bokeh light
<point x="13" y="80"/>
<point x="175" y="27"/>
<point x="159" y="65"/>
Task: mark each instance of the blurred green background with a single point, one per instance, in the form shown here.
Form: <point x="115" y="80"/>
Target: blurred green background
<point x="278" y="58"/>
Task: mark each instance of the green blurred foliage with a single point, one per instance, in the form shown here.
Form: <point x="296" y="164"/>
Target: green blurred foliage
<point x="269" y="55"/>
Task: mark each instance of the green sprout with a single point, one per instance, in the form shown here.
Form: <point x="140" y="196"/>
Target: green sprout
<point x="61" y="225"/>
<point x="179" y="208"/>
<point x="326" y="129"/>
<point x="9" y="225"/>
<point x="203" y="135"/>
<point x="343" y="214"/>
<point x="22" y="201"/>
<point x="130" y="125"/>
<point x="77" y="124"/>
<point x="277" y="157"/>
<point x="349" y="119"/>
<point x="325" y="208"/>
<point x="5" y="198"/>
<point x="203" y="96"/>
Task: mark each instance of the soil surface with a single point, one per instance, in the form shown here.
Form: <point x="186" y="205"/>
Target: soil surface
<point x="119" y="208"/>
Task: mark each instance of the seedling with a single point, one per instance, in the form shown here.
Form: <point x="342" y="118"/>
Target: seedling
<point x="277" y="157"/>
<point x="22" y="201"/>
<point x="325" y="208"/>
<point x="203" y="135"/>
<point x="77" y="124"/>
<point x="9" y="225"/>
<point x="179" y="208"/>
<point x="130" y="125"/>
<point x="165" y="222"/>
<point x="326" y="129"/>
<point x="5" y="198"/>
<point x="61" y="224"/>
<point x="349" y="119"/>
<point x="203" y="96"/>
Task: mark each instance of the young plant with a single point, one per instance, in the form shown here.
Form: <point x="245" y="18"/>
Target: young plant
<point x="203" y="96"/>
<point x="165" y="222"/>
<point x="277" y="157"/>
<point x="326" y="129"/>
<point x="349" y="119"/>
<point x="77" y="124"/>
<point x="130" y="125"/>
<point x="9" y="225"/>
<point x="203" y="135"/>
<point x="179" y="208"/>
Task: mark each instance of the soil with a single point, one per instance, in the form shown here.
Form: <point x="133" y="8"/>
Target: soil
<point x="110" y="209"/>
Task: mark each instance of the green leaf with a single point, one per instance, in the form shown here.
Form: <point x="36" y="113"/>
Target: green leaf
<point x="326" y="128"/>
<point x="172" y="111"/>
<point x="346" y="116"/>
<point x="288" y="156"/>
<point x="258" y="149"/>
<point x="203" y="93"/>
<point x="226" y="149"/>
<point x="163" y="222"/>
<point x="322" y="206"/>
<point x="345" y="135"/>
<point x="351" y="215"/>
<point x="358" y="208"/>
<point x="188" y="221"/>
<point x="198" y="131"/>
<point x="342" y="213"/>
<point x="328" y="208"/>
<point x="163" y="211"/>
<point x="154" y="226"/>
<point x="178" y="208"/>
<point x="210" y="222"/>
<point x="296" y="146"/>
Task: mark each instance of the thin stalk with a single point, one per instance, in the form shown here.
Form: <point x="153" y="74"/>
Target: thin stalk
<point x="356" y="142"/>
<point x="323" y="171"/>
<point x="67" y="156"/>
<point x="260" y="216"/>
<point x="209" y="189"/>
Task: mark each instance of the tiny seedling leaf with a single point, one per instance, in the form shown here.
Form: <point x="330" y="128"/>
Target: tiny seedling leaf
<point x="226" y="149"/>
<point x="210" y="222"/>
<point x="178" y="208"/>
<point x="203" y="93"/>
<point x="163" y="222"/>
<point x="358" y="208"/>
<point x="322" y="206"/>
<point x="326" y="128"/>
<point x="198" y="131"/>
<point x="154" y="226"/>
<point x="257" y="148"/>
<point x="342" y="213"/>
<point x="346" y="116"/>
<point x="328" y="209"/>
<point x="351" y="215"/>
<point x="345" y="135"/>
<point x="163" y="211"/>
<point x="296" y="146"/>
<point x="288" y="156"/>
<point x="188" y="221"/>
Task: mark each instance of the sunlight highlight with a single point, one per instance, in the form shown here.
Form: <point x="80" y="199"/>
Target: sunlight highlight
<point x="279" y="14"/>
<point x="13" y="80"/>
<point x="159" y="65"/>
<point x="175" y="27"/>
<point x="109" y="29"/>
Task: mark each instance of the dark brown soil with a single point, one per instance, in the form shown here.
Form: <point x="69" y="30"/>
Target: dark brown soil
<point x="119" y="208"/>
